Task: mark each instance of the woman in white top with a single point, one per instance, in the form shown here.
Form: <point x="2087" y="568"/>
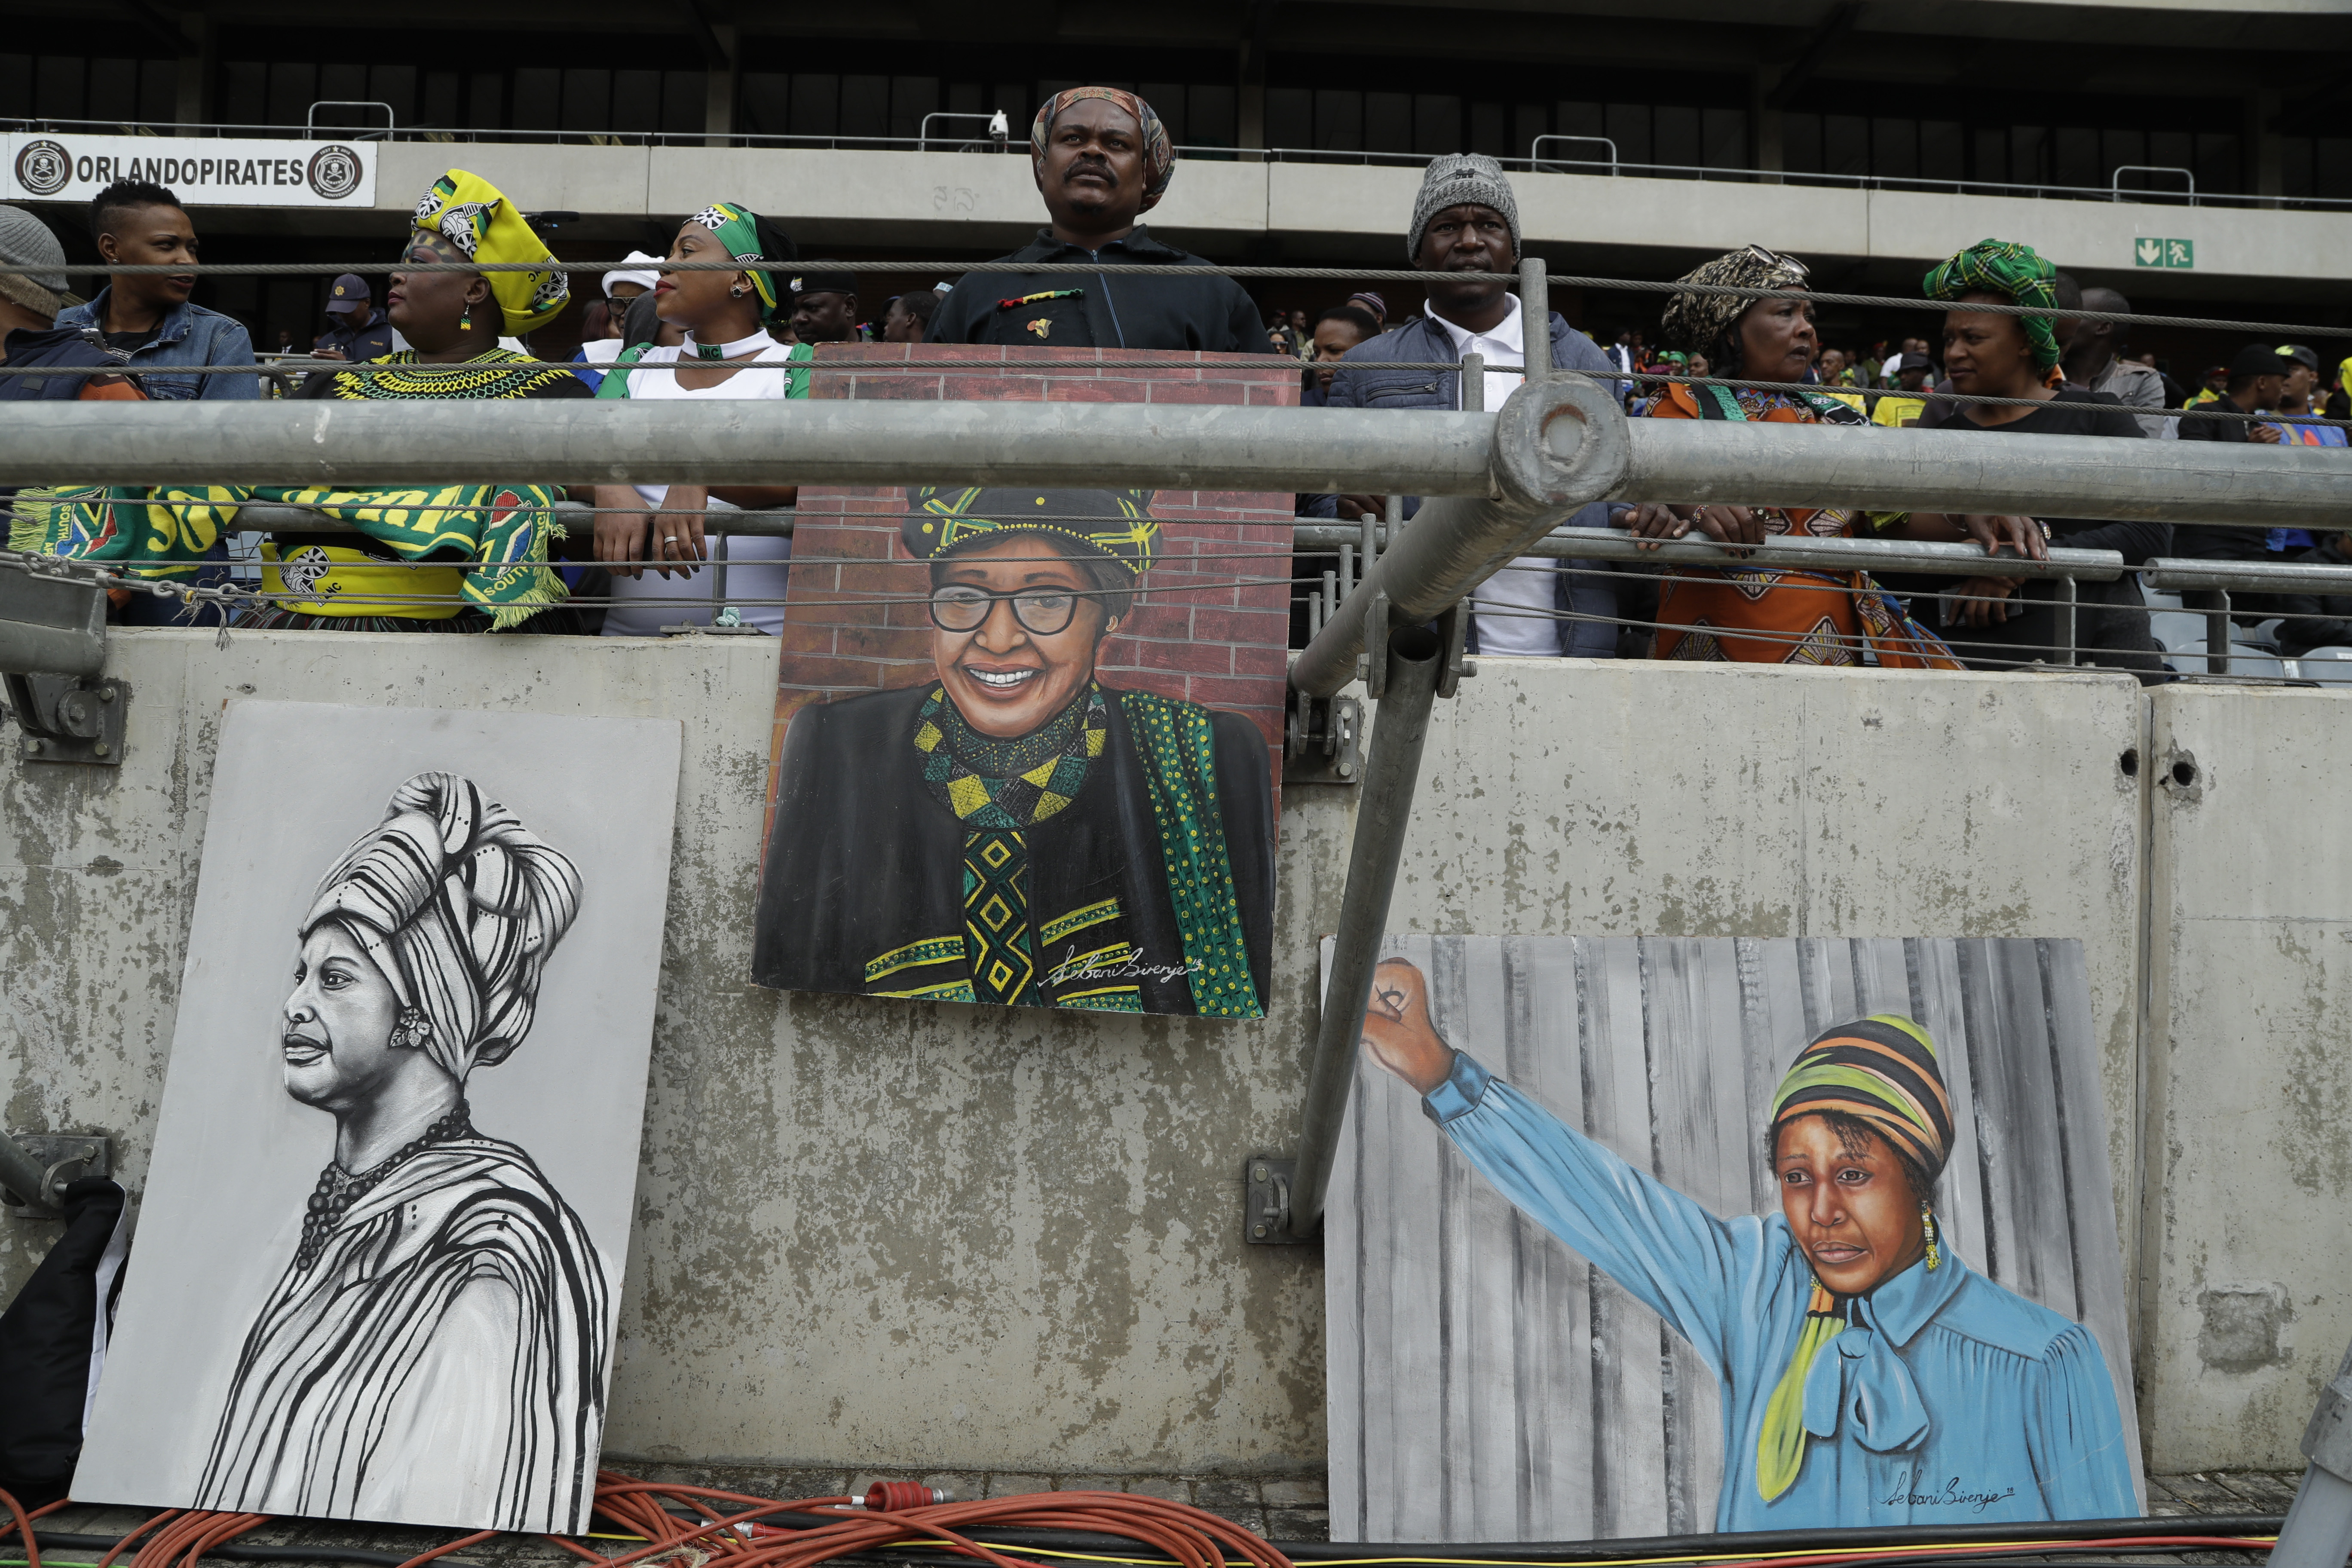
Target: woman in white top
<point x="660" y="527"/>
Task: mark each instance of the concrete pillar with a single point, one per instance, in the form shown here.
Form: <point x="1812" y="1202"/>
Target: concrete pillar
<point x="193" y="100"/>
<point x="721" y="83"/>
<point x="1764" y="122"/>
<point x="1249" y="119"/>
<point x="2262" y="144"/>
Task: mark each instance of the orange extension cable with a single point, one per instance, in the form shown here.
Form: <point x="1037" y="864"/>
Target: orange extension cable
<point x="728" y="1528"/>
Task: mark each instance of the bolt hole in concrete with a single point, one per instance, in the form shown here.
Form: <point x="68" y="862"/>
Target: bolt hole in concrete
<point x="2184" y="773"/>
<point x="2129" y="762"/>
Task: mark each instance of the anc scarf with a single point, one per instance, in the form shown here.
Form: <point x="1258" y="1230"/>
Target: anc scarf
<point x="164" y="534"/>
<point x="738" y="228"/>
<point x="475" y="217"/>
<point x="2004" y="267"/>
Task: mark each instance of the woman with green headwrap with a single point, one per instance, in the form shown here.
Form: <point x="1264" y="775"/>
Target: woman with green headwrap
<point x="2001" y="622"/>
<point x="727" y="354"/>
<point x="1870" y="1377"/>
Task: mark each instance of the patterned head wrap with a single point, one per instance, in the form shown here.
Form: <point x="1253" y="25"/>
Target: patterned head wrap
<point x="2002" y="267"/>
<point x="1699" y="324"/>
<point x="459" y="907"/>
<point x="1880" y="1071"/>
<point x="943" y="518"/>
<point x="1158" y="152"/>
<point x="748" y="236"/>
<point x="475" y="216"/>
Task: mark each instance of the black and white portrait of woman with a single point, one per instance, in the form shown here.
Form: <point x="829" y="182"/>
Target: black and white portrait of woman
<point x="436" y="1345"/>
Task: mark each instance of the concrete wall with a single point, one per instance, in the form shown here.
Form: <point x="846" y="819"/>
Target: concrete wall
<point x="878" y="1233"/>
<point x="887" y="197"/>
<point x="2246" y="1298"/>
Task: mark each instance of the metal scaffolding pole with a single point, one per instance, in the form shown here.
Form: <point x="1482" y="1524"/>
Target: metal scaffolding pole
<point x="1393" y="770"/>
<point x="22" y="1174"/>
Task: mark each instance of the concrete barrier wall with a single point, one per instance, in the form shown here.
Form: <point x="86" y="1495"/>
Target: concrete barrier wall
<point x="2246" y="1296"/>
<point x="878" y="1233"/>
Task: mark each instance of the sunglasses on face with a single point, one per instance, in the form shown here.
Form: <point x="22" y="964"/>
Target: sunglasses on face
<point x="960" y="607"/>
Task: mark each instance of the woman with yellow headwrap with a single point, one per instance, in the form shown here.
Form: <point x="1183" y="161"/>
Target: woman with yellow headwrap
<point x="466" y="557"/>
<point x="1869" y="1375"/>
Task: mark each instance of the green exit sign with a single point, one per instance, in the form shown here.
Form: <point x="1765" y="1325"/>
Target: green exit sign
<point x="2164" y="252"/>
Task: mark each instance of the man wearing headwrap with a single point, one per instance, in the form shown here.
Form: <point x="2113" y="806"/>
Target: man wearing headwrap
<point x="1010" y="830"/>
<point x="435" y="1350"/>
<point x="1101" y="159"/>
<point x="1869" y="1376"/>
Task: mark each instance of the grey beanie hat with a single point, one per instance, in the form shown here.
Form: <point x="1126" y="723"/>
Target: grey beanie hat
<point x="1457" y="178"/>
<point x="32" y="262"/>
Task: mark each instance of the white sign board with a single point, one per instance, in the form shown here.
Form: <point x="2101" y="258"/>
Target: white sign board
<point x="65" y="166"/>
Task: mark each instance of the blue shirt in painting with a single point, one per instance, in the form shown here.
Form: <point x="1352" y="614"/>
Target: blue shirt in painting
<point x="1946" y="1399"/>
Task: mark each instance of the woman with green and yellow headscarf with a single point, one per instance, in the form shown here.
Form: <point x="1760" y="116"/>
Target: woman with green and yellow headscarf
<point x="2001" y="622"/>
<point x="727" y="354"/>
<point x="461" y="557"/>
<point x="1870" y="1376"/>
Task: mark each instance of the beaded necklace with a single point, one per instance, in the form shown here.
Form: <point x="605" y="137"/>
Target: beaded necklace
<point x="337" y="1189"/>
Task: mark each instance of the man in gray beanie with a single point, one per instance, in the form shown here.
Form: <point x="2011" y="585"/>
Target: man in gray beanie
<point x="32" y="274"/>
<point x="1465" y="221"/>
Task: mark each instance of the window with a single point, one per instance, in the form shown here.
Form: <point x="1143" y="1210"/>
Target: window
<point x="1436" y="124"/>
<point x="1800" y="143"/>
<point x="1490" y="130"/>
<point x="1289" y="117"/>
<point x="486" y="101"/>
<point x="1209" y="116"/>
<point x="1628" y="126"/>
<point x="1991" y="165"/>
<point x="911" y="98"/>
<point x="1388" y="121"/>
<point x="1167" y="100"/>
<point x="439" y="105"/>
<point x="1845" y="144"/>
<point x="1942" y="151"/>
<point x="1674" y="135"/>
<point x="762" y="97"/>
<point x="587" y="100"/>
<point x="1722" y="139"/>
<point x="538" y="94"/>
<point x="57" y="86"/>
<point x="865" y="106"/>
<point x="1340" y="119"/>
<point x="683" y="105"/>
<point x="113" y="89"/>
<point x="816" y="105"/>
<point x="636" y="101"/>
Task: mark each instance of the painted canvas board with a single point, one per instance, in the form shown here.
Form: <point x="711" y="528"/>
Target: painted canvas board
<point x="1028" y="737"/>
<point x="1539" y="1313"/>
<point x="381" y="1244"/>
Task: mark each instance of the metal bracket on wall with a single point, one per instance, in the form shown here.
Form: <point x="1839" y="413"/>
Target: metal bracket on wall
<point x="69" y="719"/>
<point x="1452" y="635"/>
<point x="62" y="1157"/>
<point x="1266" y="1208"/>
<point x="1321" y="739"/>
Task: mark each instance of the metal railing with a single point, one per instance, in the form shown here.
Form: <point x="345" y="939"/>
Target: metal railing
<point x="999" y="131"/>
<point x="1537" y="162"/>
<point x="360" y="134"/>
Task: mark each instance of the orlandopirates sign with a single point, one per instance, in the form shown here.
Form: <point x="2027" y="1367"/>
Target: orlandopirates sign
<point x="48" y="166"/>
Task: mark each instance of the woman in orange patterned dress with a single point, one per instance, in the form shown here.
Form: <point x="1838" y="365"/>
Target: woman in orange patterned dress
<point x="1767" y="615"/>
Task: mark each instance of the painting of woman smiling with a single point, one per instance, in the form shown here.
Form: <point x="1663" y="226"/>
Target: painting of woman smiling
<point x="1011" y="830"/>
<point x="1869" y="1375"/>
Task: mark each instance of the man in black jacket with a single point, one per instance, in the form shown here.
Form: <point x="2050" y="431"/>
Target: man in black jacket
<point x="1101" y="159"/>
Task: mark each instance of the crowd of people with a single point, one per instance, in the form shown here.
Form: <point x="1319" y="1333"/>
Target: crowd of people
<point x="491" y="555"/>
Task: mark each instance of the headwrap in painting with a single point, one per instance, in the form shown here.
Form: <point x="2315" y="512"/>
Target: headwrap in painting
<point x="1882" y="1071"/>
<point x="1158" y="152"/>
<point x="748" y="236"/>
<point x="2004" y="267"/>
<point x="459" y="906"/>
<point x="475" y="217"/>
<point x="1699" y="324"/>
<point x="1116" y="523"/>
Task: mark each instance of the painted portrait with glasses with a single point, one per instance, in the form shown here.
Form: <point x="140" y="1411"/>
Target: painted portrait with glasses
<point x="1008" y="821"/>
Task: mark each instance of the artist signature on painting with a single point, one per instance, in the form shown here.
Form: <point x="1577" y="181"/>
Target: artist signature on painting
<point x="1952" y="1496"/>
<point x="1095" y="966"/>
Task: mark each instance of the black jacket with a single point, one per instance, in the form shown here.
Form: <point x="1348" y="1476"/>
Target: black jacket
<point x="1101" y="309"/>
<point x="865" y="863"/>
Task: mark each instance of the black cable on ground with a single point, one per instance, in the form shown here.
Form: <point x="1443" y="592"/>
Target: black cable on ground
<point x="240" y="1552"/>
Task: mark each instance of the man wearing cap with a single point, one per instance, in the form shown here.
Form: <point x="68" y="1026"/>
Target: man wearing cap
<point x="825" y="307"/>
<point x="1009" y="829"/>
<point x="356" y="330"/>
<point x="2298" y="397"/>
<point x="1467" y="220"/>
<point x="2256" y="376"/>
<point x="1101" y="160"/>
